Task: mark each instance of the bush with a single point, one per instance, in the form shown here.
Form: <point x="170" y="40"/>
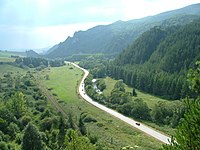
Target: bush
<point x="3" y="146"/>
<point x="25" y="120"/>
<point x="100" y="124"/>
<point x="89" y="118"/>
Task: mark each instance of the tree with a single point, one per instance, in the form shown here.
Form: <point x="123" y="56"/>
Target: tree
<point x="140" y="110"/>
<point x="53" y="142"/>
<point x="194" y="78"/>
<point x="120" y="86"/>
<point x="73" y="141"/>
<point x="32" y="139"/>
<point x="62" y="132"/>
<point x="188" y="132"/>
<point x="70" y="122"/>
<point x="3" y="146"/>
<point x="101" y="84"/>
<point x="81" y="126"/>
<point x="17" y="104"/>
<point x="134" y="92"/>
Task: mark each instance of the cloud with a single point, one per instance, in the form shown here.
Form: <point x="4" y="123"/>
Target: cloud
<point x="20" y="37"/>
<point x="101" y="11"/>
<point x="132" y="9"/>
<point x="42" y="23"/>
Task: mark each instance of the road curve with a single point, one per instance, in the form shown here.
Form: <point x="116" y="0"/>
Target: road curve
<point x="163" y="138"/>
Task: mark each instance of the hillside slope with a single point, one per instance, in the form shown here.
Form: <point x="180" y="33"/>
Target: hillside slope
<point x="113" y="38"/>
<point x="157" y="62"/>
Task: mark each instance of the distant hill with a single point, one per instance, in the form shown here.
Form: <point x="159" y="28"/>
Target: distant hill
<point x="32" y="53"/>
<point x="113" y="38"/>
<point x="158" y="61"/>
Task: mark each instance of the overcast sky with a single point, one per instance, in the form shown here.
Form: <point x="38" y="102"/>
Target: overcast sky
<point x="31" y="24"/>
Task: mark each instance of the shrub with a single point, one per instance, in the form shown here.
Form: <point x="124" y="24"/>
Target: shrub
<point x="89" y="118"/>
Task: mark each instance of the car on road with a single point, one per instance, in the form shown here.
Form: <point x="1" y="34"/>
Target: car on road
<point x="137" y="123"/>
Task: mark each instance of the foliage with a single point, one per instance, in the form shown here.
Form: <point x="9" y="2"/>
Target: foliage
<point x="56" y="63"/>
<point x="31" y="62"/>
<point x="101" y="85"/>
<point x="32" y="138"/>
<point x="194" y="78"/>
<point x="22" y="104"/>
<point x="75" y="142"/>
<point x="188" y="132"/>
<point x="113" y="38"/>
<point x="157" y="62"/>
<point x="81" y="125"/>
<point x="17" y="104"/>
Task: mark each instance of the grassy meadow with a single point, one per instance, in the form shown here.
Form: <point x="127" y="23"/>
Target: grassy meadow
<point x="149" y="99"/>
<point x="63" y="82"/>
<point x="5" y="56"/>
<point x="4" y="68"/>
<point x="112" y="132"/>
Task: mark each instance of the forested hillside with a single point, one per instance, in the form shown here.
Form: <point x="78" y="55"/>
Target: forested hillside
<point x="113" y="38"/>
<point x="157" y="62"/>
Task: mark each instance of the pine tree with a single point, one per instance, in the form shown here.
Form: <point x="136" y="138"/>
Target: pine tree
<point x="81" y="126"/>
<point x="188" y="133"/>
<point x="32" y="139"/>
<point x="62" y="132"/>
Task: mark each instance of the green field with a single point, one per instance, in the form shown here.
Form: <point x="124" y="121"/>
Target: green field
<point x="7" y="59"/>
<point x="5" y="56"/>
<point x="58" y="81"/>
<point x="109" y="130"/>
<point x="149" y="99"/>
<point x="10" y="53"/>
<point x="4" y="68"/>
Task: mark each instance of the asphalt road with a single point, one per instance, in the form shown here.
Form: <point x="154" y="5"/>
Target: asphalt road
<point x="148" y="130"/>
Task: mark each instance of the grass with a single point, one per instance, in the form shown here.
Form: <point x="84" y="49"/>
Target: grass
<point x="65" y="89"/>
<point x="149" y="99"/>
<point x="5" y="56"/>
<point x="4" y="68"/>
<point x="9" y="53"/>
<point x="7" y="59"/>
<point x="109" y="130"/>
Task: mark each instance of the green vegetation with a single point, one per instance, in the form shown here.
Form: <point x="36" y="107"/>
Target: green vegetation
<point x="31" y="62"/>
<point x="108" y="131"/>
<point x="188" y="132"/>
<point x="27" y="121"/>
<point x="113" y="38"/>
<point x="6" y="59"/>
<point x="4" y="68"/>
<point x="158" y="113"/>
<point x="40" y="107"/>
<point x="63" y="81"/>
<point x="157" y="62"/>
<point x="6" y="56"/>
<point x="9" y="54"/>
<point x="149" y="99"/>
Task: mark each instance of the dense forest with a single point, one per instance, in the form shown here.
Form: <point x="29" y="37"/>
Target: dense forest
<point x="157" y="62"/>
<point x="35" y="62"/>
<point x="188" y="131"/>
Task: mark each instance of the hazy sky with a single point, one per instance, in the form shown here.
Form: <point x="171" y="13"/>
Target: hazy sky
<point x="30" y="24"/>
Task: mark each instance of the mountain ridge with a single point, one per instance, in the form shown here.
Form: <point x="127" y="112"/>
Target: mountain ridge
<point x="113" y="38"/>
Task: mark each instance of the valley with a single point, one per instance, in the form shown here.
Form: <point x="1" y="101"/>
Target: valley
<point x="131" y="84"/>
